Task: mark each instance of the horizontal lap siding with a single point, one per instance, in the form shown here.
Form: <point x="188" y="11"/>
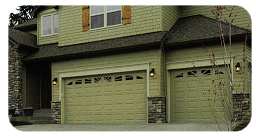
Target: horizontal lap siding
<point x="152" y="57"/>
<point x="242" y="19"/>
<point x="243" y="82"/>
<point x="203" y="52"/>
<point x="170" y="14"/>
<point x="145" y="19"/>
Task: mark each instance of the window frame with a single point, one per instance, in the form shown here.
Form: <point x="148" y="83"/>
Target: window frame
<point x="52" y="25"/>
<point x="105" y="14"/>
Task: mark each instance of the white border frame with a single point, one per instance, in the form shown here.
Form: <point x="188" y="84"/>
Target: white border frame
<point x="125" y="68"/>
<point x="190" y="64"/>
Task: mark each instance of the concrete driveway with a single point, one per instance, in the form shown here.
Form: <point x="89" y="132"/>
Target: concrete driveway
<point x="148" y="127"/>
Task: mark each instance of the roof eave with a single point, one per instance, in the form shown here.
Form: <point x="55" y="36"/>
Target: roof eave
<point x="214" y="40"/>
<point x="26" y="27"/>
<point x="95" y="53"/>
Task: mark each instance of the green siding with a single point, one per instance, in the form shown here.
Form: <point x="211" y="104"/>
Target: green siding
<point x="242" y="80"/>
<point x="145" y="19"/>
<point x="45" y="39"/>
<point x="169" y="16"/>
<point x="152" y="57"/>
<point x="203" y="52"/>
<point x="242" y="19"/>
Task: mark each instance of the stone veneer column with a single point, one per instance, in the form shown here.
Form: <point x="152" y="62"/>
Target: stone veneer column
<point x="241" y="110"/>
<point x="156" y="109"/>
<point x="56" y="112"/>
<point x="15" y="73"/>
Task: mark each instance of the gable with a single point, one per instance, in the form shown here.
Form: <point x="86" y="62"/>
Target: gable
<point x="239" y="15"/>
<point x="198" y="28"/>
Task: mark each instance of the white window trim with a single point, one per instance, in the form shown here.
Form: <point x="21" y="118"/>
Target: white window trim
<point x="52" y="28"/>
<point x="105" y="18"/>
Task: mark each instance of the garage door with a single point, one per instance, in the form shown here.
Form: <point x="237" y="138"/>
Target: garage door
<point x="108" y="98"/>
<point x="198" y="94"/>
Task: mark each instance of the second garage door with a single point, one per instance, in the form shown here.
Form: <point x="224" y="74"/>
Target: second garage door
<point x="197" y="94"/>
<point x="108" y="98"/>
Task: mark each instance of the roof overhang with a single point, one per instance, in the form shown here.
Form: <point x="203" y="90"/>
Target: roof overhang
<point x="198" y="29"/>
<point x="23" y="39"/>
<point x="27" y="26"/>
<point x="53" y="52"/>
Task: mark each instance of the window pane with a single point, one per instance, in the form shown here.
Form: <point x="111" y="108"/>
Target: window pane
<point x="97" y="21"/>
<point x="47" y="25"/>
<point x="113" y="8"/>
<point x="97" y="10"/>
<point x="55" y="23"/>
<point x="114" y="18"/>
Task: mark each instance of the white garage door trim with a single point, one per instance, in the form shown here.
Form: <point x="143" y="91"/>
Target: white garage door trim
<point x="116" y="69"/>
<point x="190" y="64"/>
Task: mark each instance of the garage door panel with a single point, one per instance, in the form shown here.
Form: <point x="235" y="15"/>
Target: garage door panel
<point x="197" y="94"/>
<point x="192" y="99"/>
<point x="100" y="101"/>
<point x="98" y="118"/>
<point x="199" y="116"/>
<point x="110" y="98"/>
<point x="198" y="104"/>
<point x="197" y="109"/>
<point x="110" y="113"/>
<point x="79" y="89"/>
<point x="83" y="100"/>
<point x="77" y="111"/>
<point x="193" y="105"/>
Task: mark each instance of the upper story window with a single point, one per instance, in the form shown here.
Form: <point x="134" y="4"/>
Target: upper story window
<point x="50" y="24"/>
<point x="103" y="16"/>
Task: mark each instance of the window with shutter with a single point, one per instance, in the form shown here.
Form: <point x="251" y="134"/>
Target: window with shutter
<point x="104" y="16"/>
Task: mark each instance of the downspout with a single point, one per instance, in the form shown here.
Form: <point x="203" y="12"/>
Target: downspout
<point x="163" y="82"/>
<point x="163" y="63"/>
